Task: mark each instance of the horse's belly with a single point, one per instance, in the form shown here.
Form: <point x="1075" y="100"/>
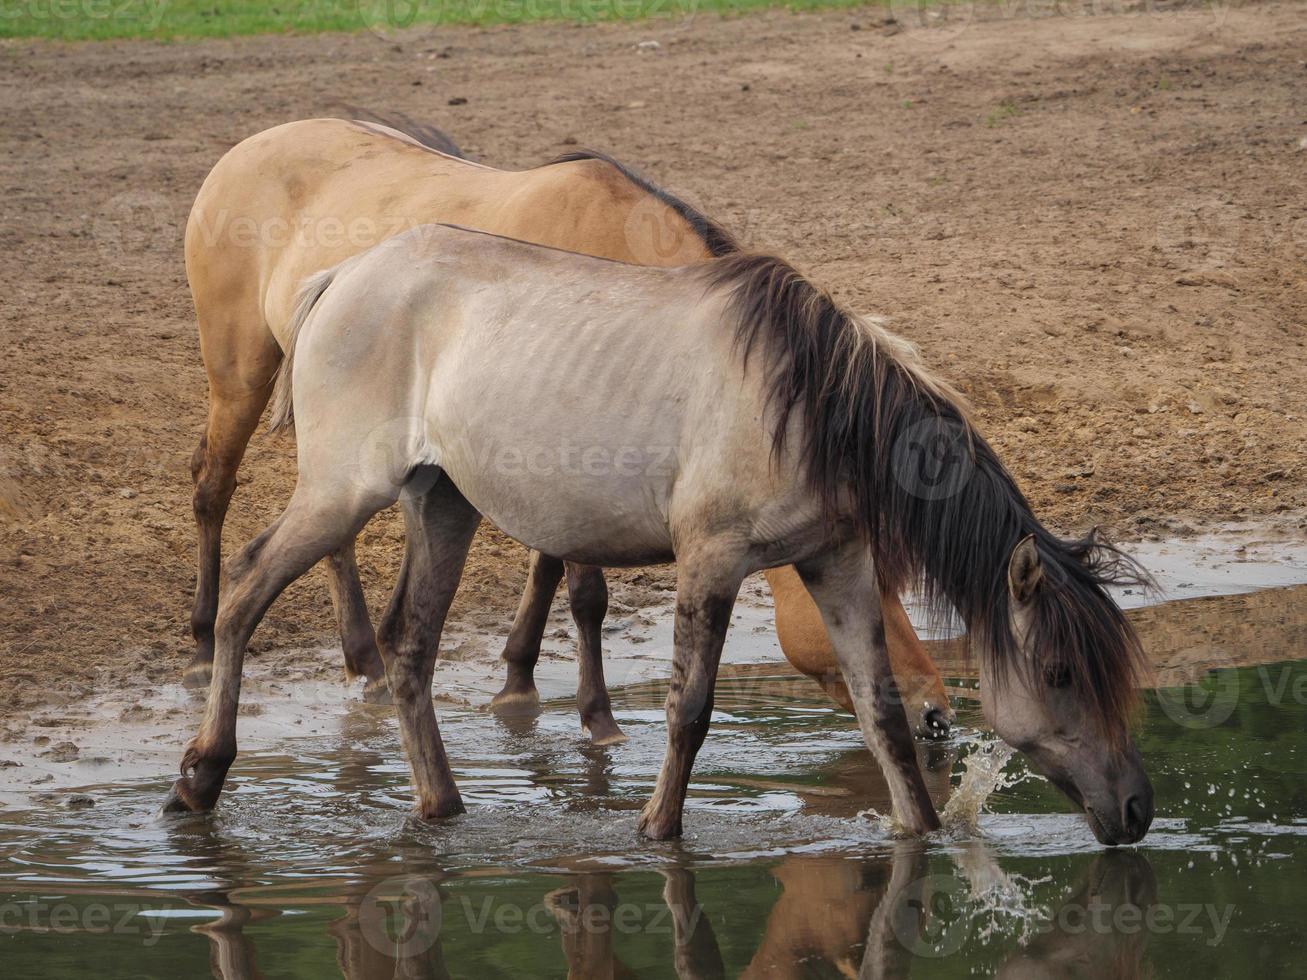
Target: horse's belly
<point x="594" y="505"/>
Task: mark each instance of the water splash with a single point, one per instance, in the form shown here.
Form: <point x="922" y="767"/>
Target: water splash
<point x="982" y="775"/>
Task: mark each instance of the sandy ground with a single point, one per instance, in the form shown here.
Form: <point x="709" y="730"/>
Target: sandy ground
<point x="1095" y="225"/>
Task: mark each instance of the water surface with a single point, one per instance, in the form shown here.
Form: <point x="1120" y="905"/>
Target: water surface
<point x="311" y="867"/>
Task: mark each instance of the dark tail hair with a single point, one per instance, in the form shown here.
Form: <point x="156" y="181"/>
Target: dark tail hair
<point x="283" y="406"/>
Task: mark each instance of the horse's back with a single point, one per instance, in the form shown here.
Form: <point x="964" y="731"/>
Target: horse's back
<point x="302" y="197"/>
<point x="297" y="199"/>
<point x="564" y="395"/>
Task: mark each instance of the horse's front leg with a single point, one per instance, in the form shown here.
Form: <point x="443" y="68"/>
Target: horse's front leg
<point x="705" y="596"/>
<point x="844" y="586"/>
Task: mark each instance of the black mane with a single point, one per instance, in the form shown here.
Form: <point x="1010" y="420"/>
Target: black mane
<point x="892" y="448"/>
<point x="715" y="237"/>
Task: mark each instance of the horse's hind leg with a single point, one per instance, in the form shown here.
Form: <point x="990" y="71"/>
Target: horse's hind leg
<point x="588" y="593"/>
<point x="519" y="695"/>
<point x="306" y="532"/>
<point x="440" y="525"/>
<point x="705" y="595"/>
<point x="357" y="638"/>
<point x="240" y="357"/>
<point x="231" y="422"/>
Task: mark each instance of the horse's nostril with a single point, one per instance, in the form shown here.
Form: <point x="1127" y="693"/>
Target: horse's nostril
<point x="937" y="722"/>
<point x="1138" y="816"/>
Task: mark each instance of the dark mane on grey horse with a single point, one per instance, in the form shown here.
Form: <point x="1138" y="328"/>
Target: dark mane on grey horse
<point x="931" y="498"/>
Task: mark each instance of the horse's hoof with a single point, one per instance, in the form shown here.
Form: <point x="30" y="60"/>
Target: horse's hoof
<point x="377" y="692"/>
<point x="178" y="800"/>
<point x="606" y="733"/>
<point x="659" y="826"/>
<point x="516" y="703"/>
<point x="936" y="722"/>
<point x="439" y="810"/>
<point x="197" y="676"/>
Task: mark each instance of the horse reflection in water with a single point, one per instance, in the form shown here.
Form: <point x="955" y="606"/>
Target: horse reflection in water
<point x="870" y="917"/>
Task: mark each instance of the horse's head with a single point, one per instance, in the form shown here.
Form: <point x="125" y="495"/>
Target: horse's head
<point x="1062" y="695"/>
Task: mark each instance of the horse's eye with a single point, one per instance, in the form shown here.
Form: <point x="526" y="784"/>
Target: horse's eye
<point x="1057" y="676"/>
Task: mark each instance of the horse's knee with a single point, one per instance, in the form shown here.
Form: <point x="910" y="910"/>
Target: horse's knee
<point x="213" y="491"/>
<point x="198" y="457"/>
<point x="406" y="665"/>
<point x="408" y="683"/>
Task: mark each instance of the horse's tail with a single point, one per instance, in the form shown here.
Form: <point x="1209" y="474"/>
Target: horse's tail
<point x="283" y="406"/>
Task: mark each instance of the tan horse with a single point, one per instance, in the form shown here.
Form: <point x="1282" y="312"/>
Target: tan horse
<point x="300" y="198"/>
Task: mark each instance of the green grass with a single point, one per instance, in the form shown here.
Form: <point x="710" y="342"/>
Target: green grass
<point x="1005" y="110"/>
<point x="161" y="19"/>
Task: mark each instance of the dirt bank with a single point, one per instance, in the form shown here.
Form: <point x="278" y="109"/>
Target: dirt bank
<point x="1095" y="225"/>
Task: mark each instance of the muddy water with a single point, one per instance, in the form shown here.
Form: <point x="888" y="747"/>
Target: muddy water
<point x="311" y="869"/>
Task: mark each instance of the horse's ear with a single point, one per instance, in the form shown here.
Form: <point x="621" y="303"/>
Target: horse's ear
<point x="1024" y="570"/>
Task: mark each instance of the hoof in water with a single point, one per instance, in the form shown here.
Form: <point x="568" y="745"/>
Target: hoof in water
<point x="660" y="826"/>
<point x="431" y="812"/>
<point x="377" y="692"/>
<point x="177" y="801"/>
<point x="516" y="703"/>
<point x="196" y="677"/>
<point x="605" y="732"/>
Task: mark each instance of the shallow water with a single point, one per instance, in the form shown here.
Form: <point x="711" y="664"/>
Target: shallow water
<point x="311" y="868"/>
